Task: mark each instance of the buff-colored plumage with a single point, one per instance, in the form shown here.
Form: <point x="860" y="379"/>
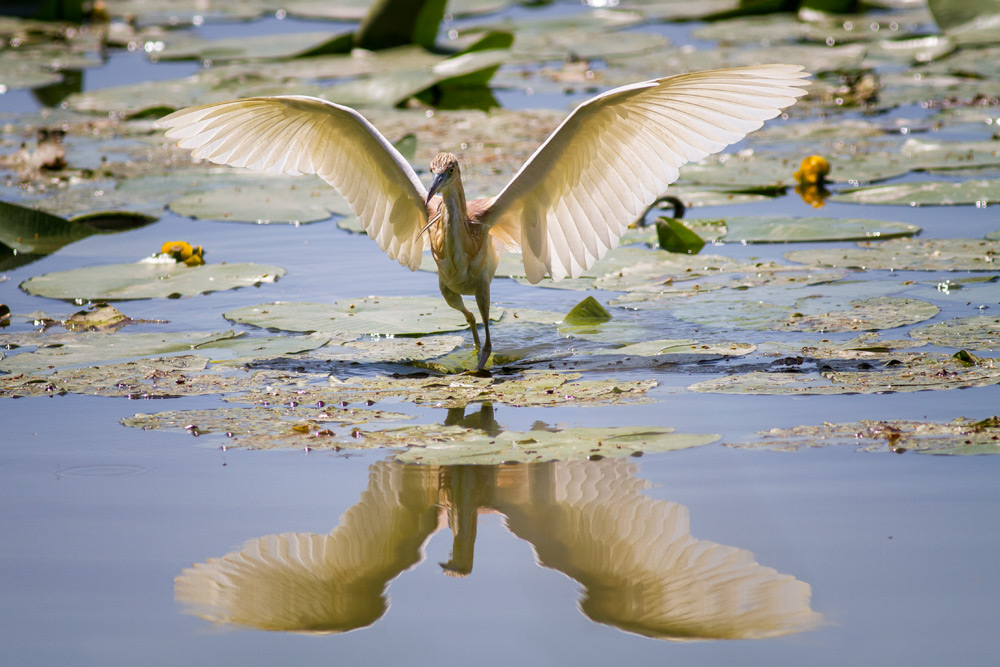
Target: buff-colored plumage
<point x="567" y="206"/>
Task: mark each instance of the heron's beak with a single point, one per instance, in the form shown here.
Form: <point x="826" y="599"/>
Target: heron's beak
<point x="435" y="185"/>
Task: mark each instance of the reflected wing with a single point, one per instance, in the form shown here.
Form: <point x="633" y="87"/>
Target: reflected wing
<point x="641" y="569"/>
<point x="304" y="582"/>
<point x="616" y="154"/>
<point x="306" y="135"/>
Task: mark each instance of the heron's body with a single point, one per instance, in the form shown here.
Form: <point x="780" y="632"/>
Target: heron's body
<point x="564" y="209"/>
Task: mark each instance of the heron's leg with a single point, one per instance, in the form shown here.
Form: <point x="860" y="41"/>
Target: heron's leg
<point x="454" y="299"/>
<point x="483" y="301"/>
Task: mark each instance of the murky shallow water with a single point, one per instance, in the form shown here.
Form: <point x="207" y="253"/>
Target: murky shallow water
<point x="103" y="522"/>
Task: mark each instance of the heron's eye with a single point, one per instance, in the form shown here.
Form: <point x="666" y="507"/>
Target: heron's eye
<point x="451" y="170"/>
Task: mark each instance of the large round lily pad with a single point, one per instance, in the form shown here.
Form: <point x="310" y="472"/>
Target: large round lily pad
<point x="968" y="333"/>
<point x="908" y="255"/>
<point x="353" y="318"/>
<point x="284" y="200"/>
<point x="924" y="193"/>
<point x="148" y="280"/>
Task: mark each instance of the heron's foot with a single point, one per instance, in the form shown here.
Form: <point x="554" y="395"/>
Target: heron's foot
<point x="484" y="356"/>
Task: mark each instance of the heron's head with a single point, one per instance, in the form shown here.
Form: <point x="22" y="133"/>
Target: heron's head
<point x="444" y="167"/>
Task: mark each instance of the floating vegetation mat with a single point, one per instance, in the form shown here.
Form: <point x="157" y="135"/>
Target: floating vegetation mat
<point x="961" y="436"/>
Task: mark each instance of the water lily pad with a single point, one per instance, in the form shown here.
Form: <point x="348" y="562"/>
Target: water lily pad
<point x="924" y="193"/>
<point x="684" y="351"/>
<point x="695" y="196"/>
<point x="673" y="273"/>
<point x="60" y="351"/>
<point x="261" y="47"/>
<point x="284" y="200"/>
<point x="532" y="388"/>
<point x="390" y="350"/>
<point x="28" y="230"/>
<point x="148" y="280"/>
<point x="807" y="314"/>
<point x="867" y="346"/>
<point x="908" y="255"/>
<point x="941" y="155"/>
<point x="786" y="229"/>
<point x="32" y="231"/>
<point x="387" y="316"/>
<point x="259" y="427"/>
<point x="588" y="311"/>
<point x="905" y="372"/>
<point x="466" y="446"/>
<point x="967" y="333"/>
<point x="961" y="436"/>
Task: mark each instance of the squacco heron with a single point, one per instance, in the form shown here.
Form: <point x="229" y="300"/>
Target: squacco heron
<point x="608" y="161"/>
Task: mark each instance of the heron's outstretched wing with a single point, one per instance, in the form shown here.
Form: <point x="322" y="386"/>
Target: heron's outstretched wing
<point x="616" y="154"/>
<point x="307" y="135"/>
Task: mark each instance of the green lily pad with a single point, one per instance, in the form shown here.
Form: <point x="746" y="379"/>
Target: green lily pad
<point x="353" y="318"/>
<point x="61" y="351"/>
<point x="675" y="236"/>
<point x="28" y="230"/>
<point x="299" y="426"/>
<point x="530" y="389"/>
<point x="674" y="273"/>
<point x="390" y="350"/>
<point x="695" y="196"/>
<point x="968" y="21"/>
<point x="907" y="255"/>
<point x="904" y="372"/>
<point x="786" y="229"/>
<point x="32" y="231"/>
<point x="993" y="236"/>
<point x="683" y="351"/>
<point x="967" y="333"/>
<point x="940" y="155"/>
<point x="148" y="280"/>
<point x="261" y="47"/>
<point x="924" y="193"/>
<point x="866" y="346"/>
<point x="284" y="200"/>
<point x="588" y="311"/>
<point x="456" y="446"/>
<point x="807" y="314"/>
<point x="961" y="436"/>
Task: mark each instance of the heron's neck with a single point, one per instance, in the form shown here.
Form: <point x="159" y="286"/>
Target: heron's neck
<point x="454" y="213"/>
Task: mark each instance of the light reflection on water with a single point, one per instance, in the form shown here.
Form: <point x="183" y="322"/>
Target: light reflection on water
<point x="640" y="568"/>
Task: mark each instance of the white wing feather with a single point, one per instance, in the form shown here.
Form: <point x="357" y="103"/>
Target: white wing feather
<point x="616" y="153"/>
<point x="307" y="135"/>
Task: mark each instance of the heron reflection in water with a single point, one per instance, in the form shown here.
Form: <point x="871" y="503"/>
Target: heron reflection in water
<point x="640" y="568"/>
<point x="563" y="210"/>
